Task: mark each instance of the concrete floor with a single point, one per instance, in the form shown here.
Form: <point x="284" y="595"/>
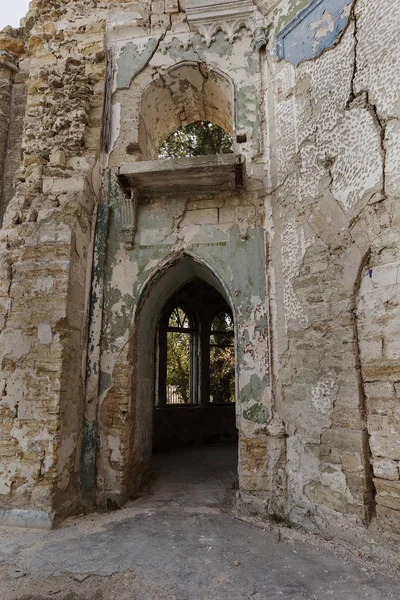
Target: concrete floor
<point x="181" y="542"/>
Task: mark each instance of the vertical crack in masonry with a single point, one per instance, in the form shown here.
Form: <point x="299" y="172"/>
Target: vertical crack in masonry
<point x="369" y="490"/>
<point x="353" y="18"/>
<point x="107" y="102"/>
<point x="381" y="129"/>
<point x="151" y="55"/>
<point x="361" y="99"/>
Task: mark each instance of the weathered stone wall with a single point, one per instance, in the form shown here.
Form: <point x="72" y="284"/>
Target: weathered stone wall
<point x="6" y="74"/>
<point x="14" y="138"/>
<point x="163" y="78"/>
<point x="332" y="123"/>
<point x="171" y="227"/>
<point x="378" y="318"/>
<point x="45" y="242"/>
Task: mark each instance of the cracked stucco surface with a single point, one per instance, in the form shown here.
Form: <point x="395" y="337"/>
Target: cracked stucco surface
<point x="335" y="153"/>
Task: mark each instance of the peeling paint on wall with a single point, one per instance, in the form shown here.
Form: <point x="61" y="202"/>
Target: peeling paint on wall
<point x="314" y="29"/>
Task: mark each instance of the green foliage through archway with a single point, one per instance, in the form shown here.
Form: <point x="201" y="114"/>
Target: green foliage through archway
<point x="197" y="139"/>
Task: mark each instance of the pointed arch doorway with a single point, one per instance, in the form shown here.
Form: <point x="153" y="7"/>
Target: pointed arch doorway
<point x="185" y="386"/>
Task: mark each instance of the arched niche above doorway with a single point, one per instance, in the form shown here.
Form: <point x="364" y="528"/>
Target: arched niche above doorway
<point x="186" y="93"/>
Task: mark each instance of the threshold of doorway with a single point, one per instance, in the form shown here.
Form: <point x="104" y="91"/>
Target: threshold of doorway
<point x="195" y="475"/>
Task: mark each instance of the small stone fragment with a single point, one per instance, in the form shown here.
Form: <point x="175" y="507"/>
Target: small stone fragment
<point x="81" y="577"/>
<point x="16" y="573"/>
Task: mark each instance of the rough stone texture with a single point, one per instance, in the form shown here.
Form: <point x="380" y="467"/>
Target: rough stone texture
<point x="45" y="243"/>
<point x="12" y="108"/>
<point x="306" y="253"/>
<point x="336" y="236"/>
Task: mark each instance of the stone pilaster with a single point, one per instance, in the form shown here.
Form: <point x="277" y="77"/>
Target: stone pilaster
<point x="8" y="69"/>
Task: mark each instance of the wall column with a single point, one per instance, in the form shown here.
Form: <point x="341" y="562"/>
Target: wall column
<point x="7" y="72"/>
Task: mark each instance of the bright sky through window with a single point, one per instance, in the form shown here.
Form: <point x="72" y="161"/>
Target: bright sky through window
<point x="12" y="12"/>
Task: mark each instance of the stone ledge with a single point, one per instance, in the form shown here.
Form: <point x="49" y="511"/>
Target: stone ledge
<point x="30" y="519"/>
<point x="220" y="172"/>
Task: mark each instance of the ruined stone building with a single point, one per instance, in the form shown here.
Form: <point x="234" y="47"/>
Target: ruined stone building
<point x="295" y="237"/>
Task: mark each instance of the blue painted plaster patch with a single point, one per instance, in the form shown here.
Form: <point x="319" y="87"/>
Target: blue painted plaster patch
<point x="315" y="29"/>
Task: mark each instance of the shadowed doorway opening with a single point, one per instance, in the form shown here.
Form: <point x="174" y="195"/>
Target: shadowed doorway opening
<point x="195" y="374"/>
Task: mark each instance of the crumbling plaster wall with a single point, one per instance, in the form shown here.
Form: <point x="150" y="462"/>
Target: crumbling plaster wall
<point x="204" y="227"/>
<point x="175" y="69"/>
<point x="334" y="164"/>
<point x="150" y="82"/>
<point x="45" y="254"/>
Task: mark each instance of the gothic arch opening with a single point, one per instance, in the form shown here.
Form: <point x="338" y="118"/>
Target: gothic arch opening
<point x="187" y="93"/>
<point x="164" y="418"/>
<point x="194" y="400"/>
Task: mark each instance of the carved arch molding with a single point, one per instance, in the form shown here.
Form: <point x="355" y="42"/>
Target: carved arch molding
<point x="229" y="17"/>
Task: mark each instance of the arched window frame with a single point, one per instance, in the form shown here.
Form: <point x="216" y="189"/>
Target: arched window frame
<point x="219" y="333"/>
<point x="201" y="318"/>
<point x="163" y="330"/>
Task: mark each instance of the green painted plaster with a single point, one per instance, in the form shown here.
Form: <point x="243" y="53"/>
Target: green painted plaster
<point x="283" y="18"/>
<point x="256" y="414"/>
<point x="131" y="62"/>
<point x="88" y="460"/>
<point x="221" y="45"/>
<point x="220" y="248"/>
<point x="104" y="382"/>
<point x="252" y="62"/>
<point x="179" y="53"/>
<point x="89" y="428"/>
<point x="247" y="116"/>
